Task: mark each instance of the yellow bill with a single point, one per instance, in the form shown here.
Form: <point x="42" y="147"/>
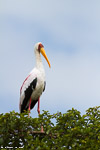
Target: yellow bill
<point x="45" y="56"/>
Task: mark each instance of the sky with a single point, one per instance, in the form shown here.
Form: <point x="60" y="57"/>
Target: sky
<point x="70" y="33"/>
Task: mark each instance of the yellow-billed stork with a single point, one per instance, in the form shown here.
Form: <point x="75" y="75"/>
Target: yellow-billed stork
<point x="34" y="84"/>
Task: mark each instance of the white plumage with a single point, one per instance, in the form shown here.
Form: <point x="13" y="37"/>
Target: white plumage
<point x="34" y="84"/>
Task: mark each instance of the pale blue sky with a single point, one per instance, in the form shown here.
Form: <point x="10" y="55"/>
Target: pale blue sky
<point x="70" y="33"/>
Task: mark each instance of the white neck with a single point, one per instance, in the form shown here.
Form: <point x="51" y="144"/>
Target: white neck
<point x="39" y="64"/>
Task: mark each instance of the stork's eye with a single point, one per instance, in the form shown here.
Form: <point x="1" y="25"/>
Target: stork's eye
<point x="39" y="47"/>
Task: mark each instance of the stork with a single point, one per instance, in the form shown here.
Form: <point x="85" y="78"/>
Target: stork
<point x="35" y="83"/>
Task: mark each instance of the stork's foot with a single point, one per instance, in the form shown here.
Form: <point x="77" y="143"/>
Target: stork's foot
<point x="29" y="113"/>
<point x="42" y="129"/>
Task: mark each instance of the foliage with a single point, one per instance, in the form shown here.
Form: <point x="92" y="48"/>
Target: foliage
<point x="70" y="130"/>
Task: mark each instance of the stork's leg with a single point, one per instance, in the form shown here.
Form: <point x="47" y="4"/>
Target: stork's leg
<point x="29" y="107"/>
<point x="38" y="109"/>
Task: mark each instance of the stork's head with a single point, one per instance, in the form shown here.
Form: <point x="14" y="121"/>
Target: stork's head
<point x="40" y="49"/>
